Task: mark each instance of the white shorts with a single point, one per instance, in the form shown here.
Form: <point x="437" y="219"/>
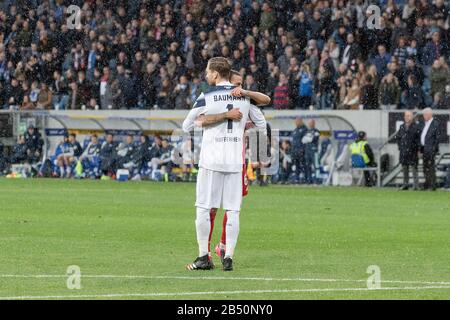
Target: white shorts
<point x="219" y="190"/>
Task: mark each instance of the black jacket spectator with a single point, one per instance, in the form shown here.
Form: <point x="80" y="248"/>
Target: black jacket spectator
<point x="369" y="95"/>
<point x="413" y="97"/>
<point x="430" y="136"/>
<point x="350" y="53"/>
<point x="130" y="94"/>
<point x="13" y="93"/>
<point x="411" y="70"/>
<point x="408" y="140"/>
<point x="389" y="92"/>
<point x="431" y="146"/>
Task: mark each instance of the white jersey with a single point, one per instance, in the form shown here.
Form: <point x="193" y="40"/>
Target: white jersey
<point x="223" y="143"/>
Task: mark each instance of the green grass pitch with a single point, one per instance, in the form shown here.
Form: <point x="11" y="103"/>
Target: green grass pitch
<point x="132" y="241"/>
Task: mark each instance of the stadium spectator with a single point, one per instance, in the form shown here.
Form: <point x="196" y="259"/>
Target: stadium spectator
<point x="439" y="101"/>
<point x="412" y="49"/>
<point x="34" y="93"/>
<point x="351" y="51"/>
<point x="305" y="86"/>
<point x="352" y="98"/>
<point x="334" y="52"/>
<point x="283" y="61"/>
<point x="413" y="97"/>
<point x="44" y="97"/>
<point x="163" y="100"/>
<point x="342" y="86"/>
<point x="324" y="89"/>
<point x="411" y="69"/>
<point x="389" y="92"/>
<point x="382" y="59"/>
<point x="129" y="91"/>
<point x="401" y="52"/>
<point x="250" y="83"/>
<point x="75" y="98"/>
<point x="12" y="94"/>
<point x="433" y="50"/>
<point x="126" y="38"/>
<point x="408" y="141"/>
<point x="182" y="94"/>
<point x="446" y="103"/>
<point x="439" y="77"/>
<point x="429" y="141"/>
<point x="59" y="89"/>
<point x="369" y="94"/>
<point x="281" y="93"/>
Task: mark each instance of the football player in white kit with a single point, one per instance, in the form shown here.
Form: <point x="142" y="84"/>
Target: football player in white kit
<point x="256" y="98"/>
<point x="219" y="180"/>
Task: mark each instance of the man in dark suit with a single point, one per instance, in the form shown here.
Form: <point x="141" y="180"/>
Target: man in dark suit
<point x="429" y="140"/>
<point x="298" y="148"/>
<point x="408" y="140"/>
<point x="351" y="51"/>
<point x="311" y="142"/>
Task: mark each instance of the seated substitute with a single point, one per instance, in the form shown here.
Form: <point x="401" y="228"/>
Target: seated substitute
<point x="75" y="152"/>
<point x="90" y="158"/>
<point x="163" y="164"/>
<point x="20" y="152"/>
<point x="63" y="151"/>
<point x="126" y="153"/>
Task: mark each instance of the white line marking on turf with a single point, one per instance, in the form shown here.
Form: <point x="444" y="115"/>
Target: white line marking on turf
<point x="173" y="294"/>
<point x="110" y="276"/>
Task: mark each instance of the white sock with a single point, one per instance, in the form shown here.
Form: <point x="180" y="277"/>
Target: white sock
<point x="69" y="170"/>
<point x="203" y="226"/>
<point x="61" y="171"/>
<point x="232" y="232"/>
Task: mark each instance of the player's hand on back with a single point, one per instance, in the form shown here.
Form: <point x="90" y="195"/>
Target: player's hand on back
<point x="238" y="92"/>
<point x="234" y="114"/>
<point x="199" y="121"/>
<point x="249" y="125"/>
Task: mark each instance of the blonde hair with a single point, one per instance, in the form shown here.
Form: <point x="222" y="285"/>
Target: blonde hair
<point x="221" y="65"/>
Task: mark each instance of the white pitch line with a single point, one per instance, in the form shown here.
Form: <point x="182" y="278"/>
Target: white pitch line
<point x="202" y="293"/>
<point x="109" y="276"/>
